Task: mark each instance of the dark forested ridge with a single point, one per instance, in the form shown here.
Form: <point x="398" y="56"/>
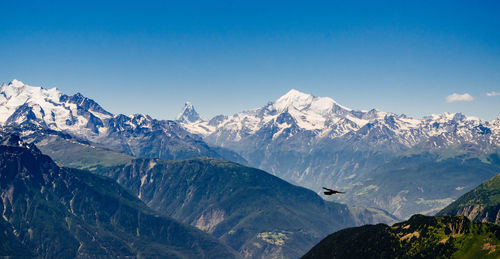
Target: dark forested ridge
<point x="54" y="212"/>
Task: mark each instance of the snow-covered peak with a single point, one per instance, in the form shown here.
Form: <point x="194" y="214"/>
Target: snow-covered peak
<point x="188" y="114"/>
<point x="16" y="94"/>
<point x="294" y="95"/>
<point x="300" y="101"/>
<point x="310" y="112"/>
<point x="293" y="99"/>
<point x="16" y="83"/>
<point x="24" y="104"/>
<point x="16" y="88"/>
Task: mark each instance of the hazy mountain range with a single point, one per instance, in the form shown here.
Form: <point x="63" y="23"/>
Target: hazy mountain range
<point x="381" y="159"/>
<point x="314" y="141"/>
<point x="255" y="213"/>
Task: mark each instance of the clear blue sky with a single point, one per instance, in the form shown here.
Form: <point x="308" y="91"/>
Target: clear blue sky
<point x="227" y="56"/>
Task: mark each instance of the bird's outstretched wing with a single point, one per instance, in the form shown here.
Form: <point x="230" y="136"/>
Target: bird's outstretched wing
<point x="330" y="191"/>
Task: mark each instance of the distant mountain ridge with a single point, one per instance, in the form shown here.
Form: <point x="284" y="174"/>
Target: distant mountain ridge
<point x="257" y="214"/>
<point x="28" y="109"/>
<point x="315" y="141"/>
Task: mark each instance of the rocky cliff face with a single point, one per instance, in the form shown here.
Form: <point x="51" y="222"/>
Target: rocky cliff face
<point x="480" y="213"/>
<point x="481" y="204"/>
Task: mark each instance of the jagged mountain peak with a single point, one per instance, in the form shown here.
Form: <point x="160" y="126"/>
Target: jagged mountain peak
<point x="86" y="103"/>
<point x="188" y="114"/>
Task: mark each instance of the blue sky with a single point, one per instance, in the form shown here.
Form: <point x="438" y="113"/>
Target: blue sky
<point x="228" y="56"/>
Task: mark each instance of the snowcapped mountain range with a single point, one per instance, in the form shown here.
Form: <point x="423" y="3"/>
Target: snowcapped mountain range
<point x="315" y="141"/>
<point x="323" y="118"/>
<point x="307" y="140"/>
<point x="30" y="110"/>
<point x="21" y="104"/>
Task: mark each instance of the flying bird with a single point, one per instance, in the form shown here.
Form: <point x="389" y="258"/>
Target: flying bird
<point x="330" y="191"/>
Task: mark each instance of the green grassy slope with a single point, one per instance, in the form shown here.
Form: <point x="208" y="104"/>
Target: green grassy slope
<point x="419" y="237"/>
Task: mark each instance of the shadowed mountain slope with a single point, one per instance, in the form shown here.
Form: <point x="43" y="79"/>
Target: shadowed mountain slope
<point x="53" y="212"/>
<point x="256" y="213"/>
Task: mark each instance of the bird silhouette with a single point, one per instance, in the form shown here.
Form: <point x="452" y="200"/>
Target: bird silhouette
<point x="330" y="191"/>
